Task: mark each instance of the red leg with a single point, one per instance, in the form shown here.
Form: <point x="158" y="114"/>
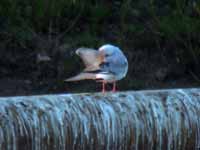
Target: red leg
<point x="103" y="87"/>
<point x="114" y="87"/>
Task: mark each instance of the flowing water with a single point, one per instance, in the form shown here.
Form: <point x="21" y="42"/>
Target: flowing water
<point x="144" y="120"/>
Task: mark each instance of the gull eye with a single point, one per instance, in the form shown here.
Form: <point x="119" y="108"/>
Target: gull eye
<point x="106" y="55"/>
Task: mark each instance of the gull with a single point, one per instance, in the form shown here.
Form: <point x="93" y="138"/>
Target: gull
<point x="108" y="64"/>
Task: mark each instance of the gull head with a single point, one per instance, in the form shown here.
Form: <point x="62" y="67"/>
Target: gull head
<point x="108" y="49"/>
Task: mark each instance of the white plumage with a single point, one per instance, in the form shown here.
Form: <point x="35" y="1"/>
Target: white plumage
<point x="107" y="65"/>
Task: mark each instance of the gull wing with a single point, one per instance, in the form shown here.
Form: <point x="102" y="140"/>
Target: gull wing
<point x="82" y="76"/>
<point x="91" y="58"/>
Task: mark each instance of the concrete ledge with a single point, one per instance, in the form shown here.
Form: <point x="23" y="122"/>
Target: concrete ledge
<point x="159" y="119"/>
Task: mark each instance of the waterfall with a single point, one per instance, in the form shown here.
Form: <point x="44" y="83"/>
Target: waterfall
<point x="142" y="120"/>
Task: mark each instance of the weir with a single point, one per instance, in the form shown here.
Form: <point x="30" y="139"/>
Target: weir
<point x="142" y="120"/>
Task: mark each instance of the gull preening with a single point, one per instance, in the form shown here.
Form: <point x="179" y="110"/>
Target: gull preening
<point x="108" y="64"/>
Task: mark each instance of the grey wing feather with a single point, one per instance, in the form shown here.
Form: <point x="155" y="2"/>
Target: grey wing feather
<point x="82" y="76"/>
<point x="91" y="58"/>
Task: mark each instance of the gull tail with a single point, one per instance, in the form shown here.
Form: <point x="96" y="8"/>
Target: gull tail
<point x="82" y="76"/>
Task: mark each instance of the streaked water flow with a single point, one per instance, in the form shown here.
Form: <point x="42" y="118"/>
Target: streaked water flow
<point x="148" y="120"/>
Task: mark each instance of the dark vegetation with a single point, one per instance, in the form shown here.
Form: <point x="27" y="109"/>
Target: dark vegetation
<point x="161" y="39"/>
